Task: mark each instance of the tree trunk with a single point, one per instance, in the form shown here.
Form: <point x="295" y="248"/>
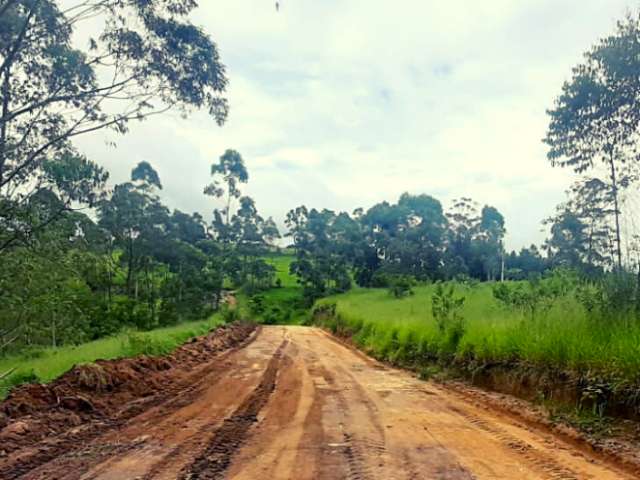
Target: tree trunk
<point x="614" y="190"/>
<point x="3" y="127"/>
<point x="130" y="267"/>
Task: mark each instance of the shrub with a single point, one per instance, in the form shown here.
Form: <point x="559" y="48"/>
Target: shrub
<point x="534" y="297"/>
<point x="400" y="286"/>
<point x="229" y="315"/>
<point x="276" y="315"/>
<point x="446" y="307"/>
<point x="257" y="304"/>
<point x="324" y="311"/>
<point x="20" y="378"/>
<point x="380" y="280"/>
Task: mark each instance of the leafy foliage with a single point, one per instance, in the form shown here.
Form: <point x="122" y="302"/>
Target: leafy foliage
<point x="400" y="285"/>
<point x="145" y="58"/>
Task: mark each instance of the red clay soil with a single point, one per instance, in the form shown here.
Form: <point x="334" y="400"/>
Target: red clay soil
<point x="89" y="399"/>
<point x="285" y="403"/>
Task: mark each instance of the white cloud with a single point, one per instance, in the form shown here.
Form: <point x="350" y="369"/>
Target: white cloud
<point x="342" y="104"/>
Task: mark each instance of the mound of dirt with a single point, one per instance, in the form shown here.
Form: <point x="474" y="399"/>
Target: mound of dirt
<point x="107" y="389"/>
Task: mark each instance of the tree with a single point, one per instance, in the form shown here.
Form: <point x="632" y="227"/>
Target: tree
<point x="525" y="264"/>
<point x="227" y="174"/>
<point x="136" y="219"/>
<point x="407" y="236"/>
<point x="489" y="239"/>
<point x="321" y="264"/>
<point x="146" y="59"/>
<point x="581" y="232"/>
<point x="567" y="245"/>
<point x="596" y="117"/>
<point x="68" y="183"/>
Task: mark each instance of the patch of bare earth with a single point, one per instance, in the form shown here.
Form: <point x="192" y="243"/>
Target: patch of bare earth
<point x="293" y="403"/>
<point x="40" y="422"/>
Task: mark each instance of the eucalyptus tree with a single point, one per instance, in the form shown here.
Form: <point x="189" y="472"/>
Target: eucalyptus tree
<point x="463" y="219"/>
<point x="595" y="119"/>
<point x="63" y="184"/>
<point x="253" y="237"/>
<point x="144" y="58"/>
<point x="489" y="240"/>
<point x="582" y="235"/>
<point x="321" y="265"/>
<point x="228" y="173"/>
<point x="136" y="219"/>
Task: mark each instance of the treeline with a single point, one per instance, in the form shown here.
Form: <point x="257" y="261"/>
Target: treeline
<point x="130" y="261"/>
<point x="411" y="237"/>
<point x="593" y="130"/>
<point x="77" y="261"/>
<point x="415" y="239"/>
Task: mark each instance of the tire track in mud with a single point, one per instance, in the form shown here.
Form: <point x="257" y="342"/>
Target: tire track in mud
<point x="357" y="450"/>
<point x="213" y="463"/>
<point x="538" y="459"/>
<point x="367" y="454"/>
<point x="68" y="450"/>
<point x="354" y="449"/>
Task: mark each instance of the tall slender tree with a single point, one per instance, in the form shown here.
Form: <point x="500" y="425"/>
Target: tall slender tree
<point x="145" y="59"/>
<point x="594" y="122"/>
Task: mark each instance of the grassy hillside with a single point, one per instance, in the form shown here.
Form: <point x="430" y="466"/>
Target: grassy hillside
<point x="282" y="263"/>
<point x="278" y="305"/>
<point x="45" y="364"/>
<point x="564" y="337"/>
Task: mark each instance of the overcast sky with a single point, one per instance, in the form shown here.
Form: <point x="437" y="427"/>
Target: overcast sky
<point x="345" y="103"/>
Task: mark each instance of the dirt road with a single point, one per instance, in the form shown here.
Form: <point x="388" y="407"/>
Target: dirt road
<point x="296" y="404"/>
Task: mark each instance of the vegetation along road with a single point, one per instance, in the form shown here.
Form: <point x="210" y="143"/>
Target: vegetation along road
<point x="284" y="402"/>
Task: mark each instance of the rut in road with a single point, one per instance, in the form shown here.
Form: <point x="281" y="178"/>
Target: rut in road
<point x="294" y="403"/>
<point x="215" y="460"/>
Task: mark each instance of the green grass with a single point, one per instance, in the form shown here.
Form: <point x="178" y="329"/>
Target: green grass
<point x="404" y="330"/>
<point x="47" y="364"/>
<point x="281" y="305"/>
<point x="282" y="263"/>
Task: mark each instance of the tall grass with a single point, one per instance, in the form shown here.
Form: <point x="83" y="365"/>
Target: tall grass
<point x="46" y="364"/>
<point x="565" y="337"/>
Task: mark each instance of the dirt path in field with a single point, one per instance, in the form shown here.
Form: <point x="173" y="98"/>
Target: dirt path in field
<point x="296" y="404"/>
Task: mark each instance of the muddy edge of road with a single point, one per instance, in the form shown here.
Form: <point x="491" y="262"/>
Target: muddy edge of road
<point x="40" y="422"/>
<point x="620" y="450"/>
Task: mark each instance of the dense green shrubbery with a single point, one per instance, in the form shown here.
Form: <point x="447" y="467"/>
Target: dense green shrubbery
<point x="400" y="286"/>
<point x="278" y="306"/>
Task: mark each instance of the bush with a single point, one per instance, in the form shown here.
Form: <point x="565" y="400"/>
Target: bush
<point x="613" y="296"/>
<point x="400" y="286"/>
<point x="168" y="314"/>
<point x="20" y="378"/>
<point x="229" y="315"/>
<point x="324" y="310"/>
<point x="276" y="315"/>
<point x="534" y="297"/>
<point x="257" y="304"/>
<point x="446" y="310"/>
<point x="380" y="280"/>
